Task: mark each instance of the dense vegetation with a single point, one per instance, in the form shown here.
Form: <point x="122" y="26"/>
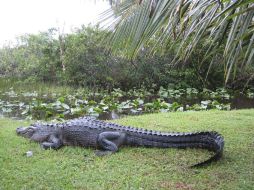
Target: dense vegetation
<point x="82" y="59"/>
<point x="197" y="44"/>
<point x="224" y="29"/>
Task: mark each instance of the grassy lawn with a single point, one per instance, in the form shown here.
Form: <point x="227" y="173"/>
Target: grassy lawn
<point x="135" y="168"/>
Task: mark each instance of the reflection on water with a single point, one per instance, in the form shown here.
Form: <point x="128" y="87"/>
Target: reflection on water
<point x="242" y="102"/>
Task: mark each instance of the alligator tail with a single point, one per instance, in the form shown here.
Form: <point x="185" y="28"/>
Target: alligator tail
<point x="211" y="141"/>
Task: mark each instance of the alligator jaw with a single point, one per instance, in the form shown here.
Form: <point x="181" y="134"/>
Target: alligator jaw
<point x="20" y="130"/>
<point x="25" y="131"/>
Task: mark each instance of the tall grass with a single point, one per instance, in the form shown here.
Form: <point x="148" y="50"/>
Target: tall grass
<point x="18" y="85"/>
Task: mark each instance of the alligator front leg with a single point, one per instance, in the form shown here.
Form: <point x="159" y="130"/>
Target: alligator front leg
<point x="109" y="142"/>
<point x="53" y="142"/>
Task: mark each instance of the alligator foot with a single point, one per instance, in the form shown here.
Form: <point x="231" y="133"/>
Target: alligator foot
<point x="111" y="141"/>
<point x="46" y="145"/>
<point x="52" y="143"/>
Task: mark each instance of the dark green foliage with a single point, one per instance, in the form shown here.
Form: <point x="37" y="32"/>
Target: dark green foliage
<point x="225" y="26"/>
<point x="83" y="59"/>
<point x="35" y="57"/>
<point x="86" y="61"/>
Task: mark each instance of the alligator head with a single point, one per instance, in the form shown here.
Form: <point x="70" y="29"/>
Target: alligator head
<point x="33" y="132"/>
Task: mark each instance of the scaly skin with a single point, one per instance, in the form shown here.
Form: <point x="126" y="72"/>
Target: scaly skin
<point x="108" y="137"/>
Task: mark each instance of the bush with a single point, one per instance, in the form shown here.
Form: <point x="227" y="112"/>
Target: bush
<point x="82" y="59"/>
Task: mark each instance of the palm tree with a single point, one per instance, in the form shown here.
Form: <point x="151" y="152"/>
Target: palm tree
<point x="226" y="24"/>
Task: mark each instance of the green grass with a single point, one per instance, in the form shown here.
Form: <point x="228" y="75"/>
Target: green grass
<point x="135" y="168"/>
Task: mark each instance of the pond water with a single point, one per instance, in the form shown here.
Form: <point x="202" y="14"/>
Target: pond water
<point x="242" y="102"/>
<point x="31" y="105"/>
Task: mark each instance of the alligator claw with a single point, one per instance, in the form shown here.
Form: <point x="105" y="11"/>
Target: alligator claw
<point x="102" y="153"/>
<point x="44" y="147"/>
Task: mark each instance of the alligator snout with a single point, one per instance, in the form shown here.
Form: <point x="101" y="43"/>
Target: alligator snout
<point x="26" y="131"/>
<point x="19" y="130"/>
<point x="23" y="130"/>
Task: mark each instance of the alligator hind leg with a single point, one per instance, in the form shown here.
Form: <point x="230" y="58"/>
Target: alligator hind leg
<point x="110" y="142"/>
<point x="53" y="142"/>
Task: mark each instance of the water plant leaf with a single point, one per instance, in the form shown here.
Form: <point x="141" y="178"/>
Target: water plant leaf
<point x="65" y="106"/>
<point x="61" y="99"/>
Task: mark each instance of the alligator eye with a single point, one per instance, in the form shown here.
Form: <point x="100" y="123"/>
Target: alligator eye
<point x="30" y="130"/>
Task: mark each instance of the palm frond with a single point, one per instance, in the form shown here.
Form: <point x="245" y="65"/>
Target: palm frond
<point x="228" y="24"/>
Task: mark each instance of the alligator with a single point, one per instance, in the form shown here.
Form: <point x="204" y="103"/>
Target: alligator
<point x="108" y="137"/>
